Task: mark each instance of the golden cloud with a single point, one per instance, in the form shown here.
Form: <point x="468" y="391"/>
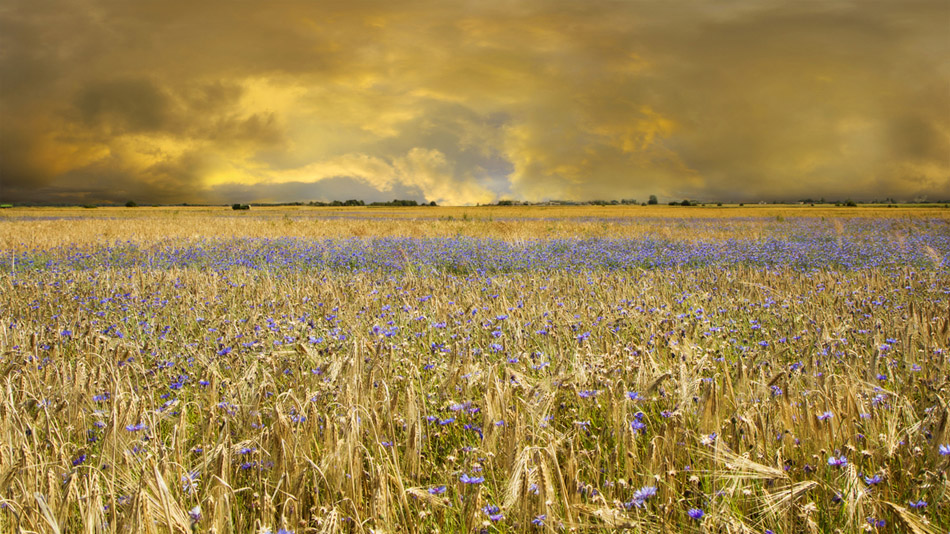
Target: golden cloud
<point x="463" y="103"/>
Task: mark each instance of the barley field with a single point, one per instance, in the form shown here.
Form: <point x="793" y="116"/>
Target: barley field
<point x="530" y="370"/>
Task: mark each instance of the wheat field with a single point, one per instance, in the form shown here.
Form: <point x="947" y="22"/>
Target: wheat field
<point x="589" y="369"/>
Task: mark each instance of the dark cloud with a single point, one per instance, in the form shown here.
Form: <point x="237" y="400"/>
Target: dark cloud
<point x="744" y="100"/>
<point x="121" y="106"/>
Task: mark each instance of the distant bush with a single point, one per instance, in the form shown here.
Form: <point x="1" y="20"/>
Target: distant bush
<point x="131" y="204"/>
<point x="240" y="206"/>
<point x="397" y="203"/>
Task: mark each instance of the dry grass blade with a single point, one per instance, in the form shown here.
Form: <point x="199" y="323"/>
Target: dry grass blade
<point x="47" y="513"/>
<point x="778" y="502"/>
<point x="741" y="467"/>
<point x="426" y="497"/>
<point x="912" y="522"/>
<point x="615" y="519"/>
<point x="518" y="470"/>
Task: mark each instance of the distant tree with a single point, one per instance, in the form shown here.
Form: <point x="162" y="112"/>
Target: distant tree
<point x="652" y="200"/>
<point x="240" y="206"/>
<point x="433" y="204"/>
<point x="131" y="204"/>
<point x="686" y="203"/>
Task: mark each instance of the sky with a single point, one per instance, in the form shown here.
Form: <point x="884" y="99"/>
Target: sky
<point x="466" y="102"/>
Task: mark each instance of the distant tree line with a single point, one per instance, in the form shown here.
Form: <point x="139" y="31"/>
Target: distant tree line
<point x="353" y="202"/>
<point x="651" y="201"/>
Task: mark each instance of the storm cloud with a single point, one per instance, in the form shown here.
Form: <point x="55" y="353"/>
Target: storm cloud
<point x="461" y="103"/>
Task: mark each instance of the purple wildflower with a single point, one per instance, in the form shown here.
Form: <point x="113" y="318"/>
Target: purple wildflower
<point x="640" y="497"/>
<point x="840" y="461"/>
<point x="465" y="479"/>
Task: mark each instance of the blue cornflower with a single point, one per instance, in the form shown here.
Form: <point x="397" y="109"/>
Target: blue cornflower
<point x="919" y="504"/>
<point x="826" y="415"/>
<point x="79" y="461"/>
<point x="945" y="450"/>
<point x="587" y="393"/>
<point x="637" y="426"/>
<point x="696" y="513"/>
<point x="493" y="512"/>
<point x="640" y="496"/>
<point x="136" y="427"/>
<point x="438" y="490"/>
<point x="870" y="481"/>
<point x="634" y="396"/>
<point x="840" y="461"/>
<point x="539" y="520"/>
<point x="465" y="479"/>
<point x="189" y="481"/>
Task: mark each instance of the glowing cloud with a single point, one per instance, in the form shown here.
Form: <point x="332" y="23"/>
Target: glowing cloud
<point x="462" y="103"/>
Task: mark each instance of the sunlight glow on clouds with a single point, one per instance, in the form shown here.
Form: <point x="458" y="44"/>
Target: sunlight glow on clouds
<point x="462" y="103"/>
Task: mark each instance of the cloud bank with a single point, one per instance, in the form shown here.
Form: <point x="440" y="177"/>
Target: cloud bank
<point x="469" y="102"/>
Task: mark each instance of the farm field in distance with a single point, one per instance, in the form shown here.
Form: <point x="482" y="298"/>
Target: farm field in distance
<point x="505" y="369"/>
